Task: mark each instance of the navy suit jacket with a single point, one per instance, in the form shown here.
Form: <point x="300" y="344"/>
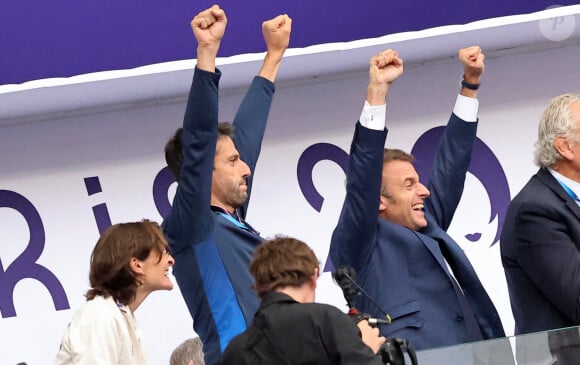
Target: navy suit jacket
<point x="540" y="252"/>
<point x="404" y="270"/>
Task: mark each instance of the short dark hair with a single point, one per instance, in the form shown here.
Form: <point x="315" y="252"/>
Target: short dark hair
<point x="174" y="147"/>
<point x="174" y="153"/>
<point x="394" y="154"/>
<point x="282" y="262"/>
<point x="110" y="272"/>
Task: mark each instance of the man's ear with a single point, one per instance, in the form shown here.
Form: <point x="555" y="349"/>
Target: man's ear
<point x="564" y="147"/>
<point x="314" y="278"/>
<point x="382" y="203"/>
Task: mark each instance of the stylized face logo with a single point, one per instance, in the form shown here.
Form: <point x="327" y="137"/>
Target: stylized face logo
<point x="491" y="196"/>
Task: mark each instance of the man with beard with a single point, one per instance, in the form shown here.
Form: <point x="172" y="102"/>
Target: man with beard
<point x="206" y="230"/>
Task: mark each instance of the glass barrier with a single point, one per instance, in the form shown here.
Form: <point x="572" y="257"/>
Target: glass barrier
<point x="556" y="347"/>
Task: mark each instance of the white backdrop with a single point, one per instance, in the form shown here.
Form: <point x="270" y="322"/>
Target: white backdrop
<point x="47" y="161"/>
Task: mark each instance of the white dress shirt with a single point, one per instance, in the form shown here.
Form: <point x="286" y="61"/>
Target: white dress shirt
<point x="374" y="117"/>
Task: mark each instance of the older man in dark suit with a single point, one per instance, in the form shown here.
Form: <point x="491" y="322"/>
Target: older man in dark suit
<point x="540" y="241"/>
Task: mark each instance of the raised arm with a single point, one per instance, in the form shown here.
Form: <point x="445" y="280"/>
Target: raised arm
<point x="472" y="59"/>
<point x="252" y="116"/>
<point x="190" y="219"/>
<point x="277" y="37"/>
<point x="208" y="28"/>
<point x="384" y="69"/>
<point x="352" y="238"/>
<point x="453" y="155"/>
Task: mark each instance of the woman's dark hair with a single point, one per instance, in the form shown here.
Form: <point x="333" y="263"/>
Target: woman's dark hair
<point x="110" y="273"/>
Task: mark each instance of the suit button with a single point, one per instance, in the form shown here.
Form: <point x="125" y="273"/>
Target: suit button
<point x="459" y="317"/>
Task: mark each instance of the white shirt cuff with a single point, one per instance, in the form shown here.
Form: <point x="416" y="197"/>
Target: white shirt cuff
<point x="373" y="117"/>
<point x="466" y="108"/>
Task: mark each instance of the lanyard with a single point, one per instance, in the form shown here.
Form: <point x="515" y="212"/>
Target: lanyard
<point x="241" y="224"/>
<point x="233" y="220"/>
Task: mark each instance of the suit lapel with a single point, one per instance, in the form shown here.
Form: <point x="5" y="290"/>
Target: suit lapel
<point x="429" y="238"/>
<point x="462" y="269"/>
<point x="548" y="179"/>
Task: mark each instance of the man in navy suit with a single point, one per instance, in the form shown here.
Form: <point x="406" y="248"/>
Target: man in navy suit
<point x="540" y="241"/>
<point x="416" y="273"/>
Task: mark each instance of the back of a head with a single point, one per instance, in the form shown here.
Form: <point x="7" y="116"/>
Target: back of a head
<point x="282" y="262"/>
<point x="110" y="271"/>
<point x="189" y="350"/>
<point x="174" y="153"/>
<point x="557" y="121"/>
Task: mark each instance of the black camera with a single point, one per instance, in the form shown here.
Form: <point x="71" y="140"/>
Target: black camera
<point x="392" y="352"/>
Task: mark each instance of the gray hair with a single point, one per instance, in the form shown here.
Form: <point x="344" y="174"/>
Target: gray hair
<point x="556" y="121"/>
<point x="191" y="349"/>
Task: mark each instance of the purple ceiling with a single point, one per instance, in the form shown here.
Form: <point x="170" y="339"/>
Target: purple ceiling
<point x="61" y="38"/>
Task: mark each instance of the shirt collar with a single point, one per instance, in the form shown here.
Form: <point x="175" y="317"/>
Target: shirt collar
<point x="571" y="184"/>
<point x="276" y="297"/>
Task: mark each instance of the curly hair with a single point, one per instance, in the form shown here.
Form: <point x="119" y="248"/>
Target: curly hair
<point x="282" y="262"/>
<point x="556" y="121"/>
<point x="190" y="349"/>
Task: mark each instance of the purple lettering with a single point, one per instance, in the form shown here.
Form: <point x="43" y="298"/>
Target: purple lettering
<point x="100" y="211"/>
<point x="25" y="266"/>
